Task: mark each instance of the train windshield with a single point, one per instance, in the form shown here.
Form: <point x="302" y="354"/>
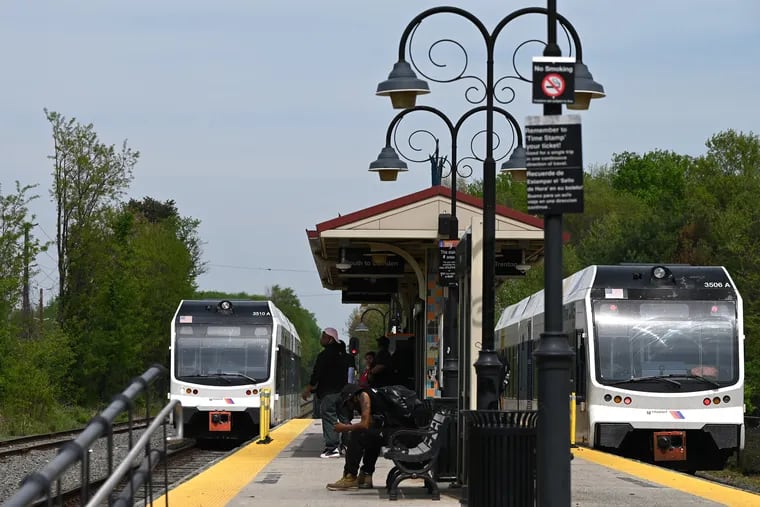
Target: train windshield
<point x="223" y="354"/>
<point x="666" y="345"/>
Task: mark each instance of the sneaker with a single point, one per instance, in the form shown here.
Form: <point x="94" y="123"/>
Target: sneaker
<point x="348" y="481"/>
<point x="364" y="480"/>
<point x="330" y="453"/>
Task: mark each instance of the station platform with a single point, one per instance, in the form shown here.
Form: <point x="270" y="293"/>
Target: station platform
<point x="289" y="472"/>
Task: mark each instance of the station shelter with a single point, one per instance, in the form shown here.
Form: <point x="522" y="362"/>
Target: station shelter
<point x="400" y="253"/>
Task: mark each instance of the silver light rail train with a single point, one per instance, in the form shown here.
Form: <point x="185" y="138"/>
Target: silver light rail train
<point x="658" y="373"/>
<point x="223" y="354"/>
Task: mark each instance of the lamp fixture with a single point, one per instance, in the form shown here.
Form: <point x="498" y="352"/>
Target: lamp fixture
<point x="343" y="265"/>
<point x="516" y="165"/>
<point x="402" y="86"/>
<point x="388" y="165"/>
<point x="585" y="88"/>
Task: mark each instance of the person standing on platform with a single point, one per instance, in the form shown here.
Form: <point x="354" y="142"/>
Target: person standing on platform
<point x="369" y="362"/>
<point x="328" y="377"/>
<point x="381" y="373"/>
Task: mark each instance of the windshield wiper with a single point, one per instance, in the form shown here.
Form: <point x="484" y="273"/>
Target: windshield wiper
<point x="191" y="378"/>
<point x="696" y="377"/>
<point x="220" y="375"/>
<point x="661" y="378"/>
<point x="236" y="374"/>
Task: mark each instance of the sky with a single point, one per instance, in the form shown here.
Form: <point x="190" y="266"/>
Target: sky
<point x="259" y="117"/>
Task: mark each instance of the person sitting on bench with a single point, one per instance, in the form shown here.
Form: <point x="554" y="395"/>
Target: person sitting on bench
<point x="366" y="437"/>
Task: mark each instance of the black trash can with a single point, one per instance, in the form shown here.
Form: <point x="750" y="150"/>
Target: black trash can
<point x="446" y="469"/>
<point x="500" y="458"/>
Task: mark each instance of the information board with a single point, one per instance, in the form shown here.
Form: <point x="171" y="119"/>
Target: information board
<point x="555" y="164"/>
<point x="447" y="262"/>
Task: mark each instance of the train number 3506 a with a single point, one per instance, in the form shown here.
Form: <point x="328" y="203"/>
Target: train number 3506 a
<point x="716" y="285"/>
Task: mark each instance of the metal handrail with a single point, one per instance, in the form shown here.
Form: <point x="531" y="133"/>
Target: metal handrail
<point x="137" y="450"/>
<point x="39" y="484"/>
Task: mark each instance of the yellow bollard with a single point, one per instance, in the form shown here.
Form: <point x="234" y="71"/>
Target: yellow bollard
<point x="264" y="414"/>
<point x="572" y="419"/>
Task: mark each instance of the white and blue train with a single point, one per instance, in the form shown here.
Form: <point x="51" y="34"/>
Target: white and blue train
<point x="223" y="354"/>
<point x="658" y="373"/>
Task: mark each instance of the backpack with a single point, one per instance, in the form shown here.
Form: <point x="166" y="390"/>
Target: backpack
<point x="401" y="405"/>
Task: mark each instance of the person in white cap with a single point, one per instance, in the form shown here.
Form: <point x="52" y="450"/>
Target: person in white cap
<point x="328" y="377"/>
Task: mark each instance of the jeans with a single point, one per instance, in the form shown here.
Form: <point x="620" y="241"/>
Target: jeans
<point x="363" y="448"/>
<point x="328" y="411"/>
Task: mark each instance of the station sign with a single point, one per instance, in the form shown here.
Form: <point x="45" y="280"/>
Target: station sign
<point x="362" y="298"/>
<point x="555" y="164"/>
<point x="553" y="80"/>
<point x="371" y="285"/>
<point x="447" y="262"/>
<point x="506" y="262"/>
<point x="362" y="263"/>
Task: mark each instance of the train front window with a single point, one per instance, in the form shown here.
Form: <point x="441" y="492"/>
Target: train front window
<point x="694" y="342"/>
<point x="223" y="354"/>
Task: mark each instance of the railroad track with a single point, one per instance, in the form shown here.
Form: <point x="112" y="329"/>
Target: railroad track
<point x="22" y="445"/>
<point x="184" y="459"/>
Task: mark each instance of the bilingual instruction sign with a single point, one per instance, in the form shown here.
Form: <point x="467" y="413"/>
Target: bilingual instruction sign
<point x="555" y="164"/>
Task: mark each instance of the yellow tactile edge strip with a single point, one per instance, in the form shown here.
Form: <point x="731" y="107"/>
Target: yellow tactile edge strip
<point x="217" y="485"/>
<point x="674" y="480"/>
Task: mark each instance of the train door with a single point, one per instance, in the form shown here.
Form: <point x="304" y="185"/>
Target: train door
<point x="580" y="372"/>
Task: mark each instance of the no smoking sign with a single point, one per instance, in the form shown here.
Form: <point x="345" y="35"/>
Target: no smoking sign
<point x="553" y="80"/>
<point x="553" y="85"/>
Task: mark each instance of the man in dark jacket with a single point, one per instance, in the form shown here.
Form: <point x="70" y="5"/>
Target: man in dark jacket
<point x="381" y="373"/>
<point x="329" y="376"/>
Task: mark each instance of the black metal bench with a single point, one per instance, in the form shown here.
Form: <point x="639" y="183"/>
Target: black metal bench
<point x="417" y="461"/>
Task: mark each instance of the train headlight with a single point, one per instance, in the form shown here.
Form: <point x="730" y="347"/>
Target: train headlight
<point x="618" y="399"/>
<point x="225" y="305"/>
<point x="627" y="400"/>
<point x="247" y="392"/>
<point x="188" y="391"/>
<point x="255" y="391"/>
<point x="607" y="397"/>
<point x="726" y="399"/>
<point x="659" y="272"/>
<point x="716" y="400"/>
<point x="706" y="402"/>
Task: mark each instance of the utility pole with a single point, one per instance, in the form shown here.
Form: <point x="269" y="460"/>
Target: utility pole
<point x="25" y="305"/>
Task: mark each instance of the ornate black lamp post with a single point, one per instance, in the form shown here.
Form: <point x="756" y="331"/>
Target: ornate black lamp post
<point x="362" y="327"/>
<point x="553" y="354"/>
<point x="388" y="160"/>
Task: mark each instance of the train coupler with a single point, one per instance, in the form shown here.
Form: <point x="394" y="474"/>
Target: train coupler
<point x="669" y="445"/>
<point x="220" y="421"/>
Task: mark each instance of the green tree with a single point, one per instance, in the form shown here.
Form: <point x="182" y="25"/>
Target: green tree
<point x="18" y="248"/>
<point x="88" y="178"/>
<point x="723" y="227"/>
<point x="139" y="266"/>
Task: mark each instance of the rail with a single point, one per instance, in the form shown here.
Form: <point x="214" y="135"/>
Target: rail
<point x="38" y="486"/>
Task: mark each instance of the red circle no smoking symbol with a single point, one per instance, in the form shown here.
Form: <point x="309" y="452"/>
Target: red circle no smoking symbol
<point x="553" y="85"/>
